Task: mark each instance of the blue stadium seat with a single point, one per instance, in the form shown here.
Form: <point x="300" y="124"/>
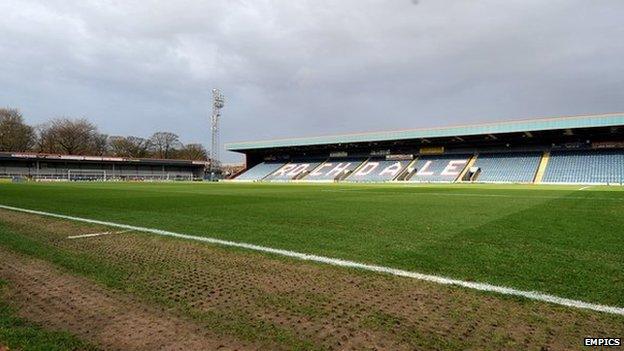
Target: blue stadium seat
<point x="585" y="166"/>
<point x="333" y="168"/>
<point x="292" y="170"/>
<point x="378" y="170"/>
<point x="439" y="168"/>
<point x="517" y="167"/>
<point x="260" y="171"/>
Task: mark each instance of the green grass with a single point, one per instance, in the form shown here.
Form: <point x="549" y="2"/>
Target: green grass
<point x="553" y="239"/>
<point x="19" y="334"/>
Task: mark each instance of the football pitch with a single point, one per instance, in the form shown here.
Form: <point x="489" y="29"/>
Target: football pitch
<point x="564" y="241"/>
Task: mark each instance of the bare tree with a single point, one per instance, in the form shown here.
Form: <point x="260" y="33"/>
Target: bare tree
<point x="99" y="145"/>
<point x="195" y="152"/>
<point x="15" y="135"/>
<point x="81" y="137"/>
<point x="163" y="144"/>
<point x="45" y="141"/>
<point x="118" y="146"/>
<point x="72" y="137"/>
<point x="130" y="146"/>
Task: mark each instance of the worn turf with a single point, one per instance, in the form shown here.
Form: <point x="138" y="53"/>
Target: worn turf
<point x="132" y="287"/>
<point x="554" y="239"/>
<point x="19" y="334"/>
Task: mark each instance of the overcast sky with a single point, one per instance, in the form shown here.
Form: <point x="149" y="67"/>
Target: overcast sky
<point x="297" y="68"/>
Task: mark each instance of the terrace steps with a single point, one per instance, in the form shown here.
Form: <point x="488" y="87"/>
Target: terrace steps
<point x="541" y="169"/>
<point x="405" y="174"/>
<point x="357" y="168"/>
<point x="469" y="164"/>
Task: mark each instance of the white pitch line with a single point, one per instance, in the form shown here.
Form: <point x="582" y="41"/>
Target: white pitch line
<point x="96" y="234"/>
<point x="532" y="295"/>
<point x="585" y="187"/>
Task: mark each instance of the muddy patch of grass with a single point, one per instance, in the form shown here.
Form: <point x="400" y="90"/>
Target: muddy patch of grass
<point x="20" y="334"/>
<point x="112" y="320"/>
<point x="285" y="304"/>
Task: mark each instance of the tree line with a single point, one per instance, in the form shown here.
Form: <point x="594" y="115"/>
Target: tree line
<point x="80" y="137"/>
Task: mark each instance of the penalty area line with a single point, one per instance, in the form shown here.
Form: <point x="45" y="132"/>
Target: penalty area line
<point x="531" y="295"/>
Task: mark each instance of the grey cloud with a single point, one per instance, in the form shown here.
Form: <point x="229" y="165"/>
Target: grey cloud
<point x="297" y="68"/>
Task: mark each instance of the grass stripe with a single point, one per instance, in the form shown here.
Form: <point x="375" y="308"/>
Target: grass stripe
<point x="375" y="191"/>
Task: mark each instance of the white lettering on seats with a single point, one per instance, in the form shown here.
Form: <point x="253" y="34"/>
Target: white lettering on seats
<point x="282" y="171"/>
<point x="341" y="167"/>
<point x="392" y="170"/>
<point x="423" y="170"/>
<point x="297" y="170"/>
<point x="453" y="168"/>
<point x="318" y="172"/>
<point x="367" y="169"/>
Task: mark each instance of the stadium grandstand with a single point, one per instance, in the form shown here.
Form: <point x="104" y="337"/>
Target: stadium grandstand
<point x="45" y="167"/>
<point x="561" y="150"/>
